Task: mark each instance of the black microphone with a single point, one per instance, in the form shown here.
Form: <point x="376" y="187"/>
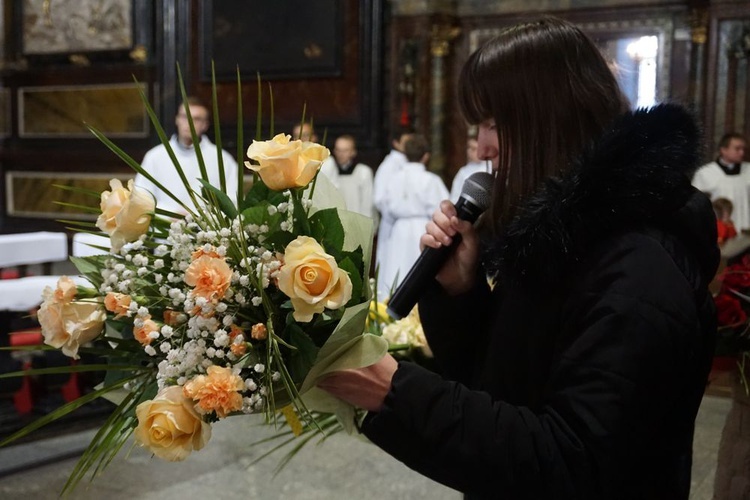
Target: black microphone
<point x="475" y="198"/>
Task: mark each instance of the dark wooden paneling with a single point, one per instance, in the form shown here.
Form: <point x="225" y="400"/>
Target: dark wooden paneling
<point x="723" y="113"/>
<point x="349" y="103"/>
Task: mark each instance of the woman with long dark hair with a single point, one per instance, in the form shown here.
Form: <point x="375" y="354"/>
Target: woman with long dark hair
<point x="573" y="326"/>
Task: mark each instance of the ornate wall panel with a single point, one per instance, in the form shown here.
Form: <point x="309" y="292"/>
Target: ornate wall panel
<point x="51" y="27"/>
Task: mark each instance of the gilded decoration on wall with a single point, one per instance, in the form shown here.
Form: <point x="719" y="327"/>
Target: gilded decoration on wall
<point x="61" y="26"/>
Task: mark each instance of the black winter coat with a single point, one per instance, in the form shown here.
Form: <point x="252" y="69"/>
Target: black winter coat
<point x="579" y="376"/>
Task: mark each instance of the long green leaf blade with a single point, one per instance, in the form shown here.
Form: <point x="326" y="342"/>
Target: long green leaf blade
<point x="217" y="129"/>
<point x="194" y="135"/>
<point x="240" y="140"/>
<point x="60" y="412"/>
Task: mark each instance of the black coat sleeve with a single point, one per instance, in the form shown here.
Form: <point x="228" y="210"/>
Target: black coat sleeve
<point x="628" y="336"/>
<point x="454" y="328"/>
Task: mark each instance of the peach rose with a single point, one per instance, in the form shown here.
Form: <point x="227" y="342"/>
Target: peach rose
<point x="68" y="325"/>
<point x="169" y="426"/>
<point x="209" y="276"/>
<point x="238" y="345"/>
<point x="142" y="333"/>
<point x="117" y="303"/>
<point x="217" y="391"/>
<point x="126" y="213"/>
<point x="312" y="279"/>
<point x="285" y="164"/>
<point x="259" y="332"/>
<point x="201" y="252"/>
<point x="174" y="318"/>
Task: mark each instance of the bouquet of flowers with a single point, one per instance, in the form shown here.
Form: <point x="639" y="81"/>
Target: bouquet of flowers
<point x="238" y="307"/>
<point x="406" y="340"/>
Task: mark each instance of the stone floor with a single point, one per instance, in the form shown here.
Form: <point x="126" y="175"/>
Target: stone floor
<point x="341" y="468"/>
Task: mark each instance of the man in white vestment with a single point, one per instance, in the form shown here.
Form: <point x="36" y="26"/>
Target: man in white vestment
<point x="728" y="177"/>
<point x="382" y="184"/>
<point x="158" y="163"/>
<point x="353" y="180"/>
<point x="414" y="195"/>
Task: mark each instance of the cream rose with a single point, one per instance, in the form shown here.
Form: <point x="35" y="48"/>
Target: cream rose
<point x="284" y="163"/>
<point x="217" y="391"/>
<point x="312" y="279"/>
<point x="169" y="426"/>
<point x="68" y="325"/>
<point x="126" y="213"/>
<point x="66" y="290"/>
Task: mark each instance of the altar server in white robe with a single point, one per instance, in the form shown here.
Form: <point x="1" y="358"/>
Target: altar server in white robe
<point x="158" y="163"/>
<point x="382" y="185"/>
<point x="414" y="194"/>
<point x="728" y="177"/>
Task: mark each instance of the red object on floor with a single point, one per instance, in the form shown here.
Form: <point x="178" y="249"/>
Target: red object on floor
<point x="23" y="398"/>
<point x="71" y="390"/>
<point x="724" y="363"/>
<point x="9" y="274"/>
<point x="32" y="336"/>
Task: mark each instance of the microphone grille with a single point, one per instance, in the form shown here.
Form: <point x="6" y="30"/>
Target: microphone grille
<point x="478" y="189"/>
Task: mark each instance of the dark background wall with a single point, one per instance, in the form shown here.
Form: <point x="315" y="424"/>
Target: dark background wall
<point x="358" y="67"/>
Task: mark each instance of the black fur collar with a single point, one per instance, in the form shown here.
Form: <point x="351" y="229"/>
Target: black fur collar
<point x="637" y="172"/>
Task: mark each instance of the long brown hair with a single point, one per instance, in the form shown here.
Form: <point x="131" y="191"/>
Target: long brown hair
<point x="550" y="92"/>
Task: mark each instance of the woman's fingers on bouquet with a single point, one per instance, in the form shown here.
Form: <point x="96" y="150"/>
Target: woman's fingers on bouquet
<point x="362" y="387"/>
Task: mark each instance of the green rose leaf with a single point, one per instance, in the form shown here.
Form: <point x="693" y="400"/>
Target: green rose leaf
<point x="327" y="230"/>
<point x="301" y="360"/>
<point x="225" y="203"/>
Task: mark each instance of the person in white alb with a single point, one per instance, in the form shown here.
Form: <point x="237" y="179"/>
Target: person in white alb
<point x="415" y="194"/>
<point x="472" y="166"/>
<point x="728" y="177"/>
<point x="353" y="180"/>
<point x="158" y="163"/>
<point x="382" y="185"/>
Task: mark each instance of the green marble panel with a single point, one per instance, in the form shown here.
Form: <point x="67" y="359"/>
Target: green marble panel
<point x="5" y="127"/>
<point x="116" y="110"/>
<point x="35" y="194"/>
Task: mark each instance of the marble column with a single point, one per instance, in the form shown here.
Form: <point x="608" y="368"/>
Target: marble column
<point x="441" y="38"/>
<point x="698" y="37"/>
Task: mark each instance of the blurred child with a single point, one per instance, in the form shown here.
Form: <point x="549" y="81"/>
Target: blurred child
<point x="724" y="225"/>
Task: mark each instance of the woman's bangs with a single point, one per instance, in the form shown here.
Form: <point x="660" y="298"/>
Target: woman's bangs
<point x="473" y="96"/>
